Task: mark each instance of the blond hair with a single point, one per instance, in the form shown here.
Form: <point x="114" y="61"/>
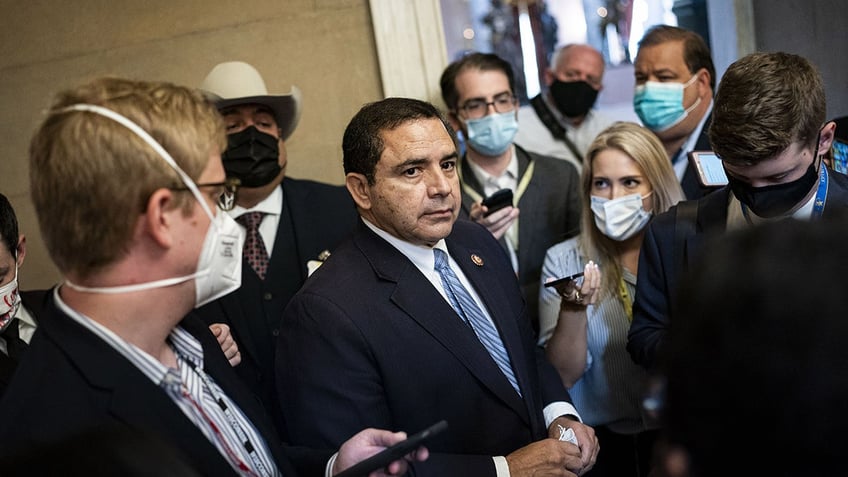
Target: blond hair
<point x="91" y="177"/>
<point x="647" y="151"/>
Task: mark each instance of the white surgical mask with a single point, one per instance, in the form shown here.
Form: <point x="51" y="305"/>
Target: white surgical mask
<point x="219" y="266"/>
<point x="621" y="218"/>
<point x="10" y="300"/>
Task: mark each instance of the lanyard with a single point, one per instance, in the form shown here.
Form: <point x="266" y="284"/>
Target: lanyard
<point x="512" y="233"/>
<point x="625" y="299"/>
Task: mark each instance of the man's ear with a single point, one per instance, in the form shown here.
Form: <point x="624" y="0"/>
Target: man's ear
<point x="20" y="251"/>
<point x="157" y="219"/>
<point x="357" y="185"/>
<point x="704" y="79"/>
<point x="454" y="121"/>
<point x="828" y="133"/>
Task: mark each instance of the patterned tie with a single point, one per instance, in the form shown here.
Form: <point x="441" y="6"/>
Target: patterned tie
<point x="254" y="248"/>
<point x="467" y="308"/>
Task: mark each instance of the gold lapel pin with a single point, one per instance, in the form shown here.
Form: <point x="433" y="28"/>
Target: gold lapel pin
<point x="477" y="259"/>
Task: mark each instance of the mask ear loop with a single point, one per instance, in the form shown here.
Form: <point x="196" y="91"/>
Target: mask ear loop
<point x="146" y="137"/>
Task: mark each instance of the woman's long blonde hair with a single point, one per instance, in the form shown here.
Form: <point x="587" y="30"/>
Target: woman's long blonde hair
<point x="641" y="145"/>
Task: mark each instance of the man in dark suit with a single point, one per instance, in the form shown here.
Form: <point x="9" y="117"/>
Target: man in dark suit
<point x="375" y="337"/>
<point x="478" y="90"/>
<point x="772" y="155"/>
<point x="19" y="310"/>
<point x="302" y="221"/>
<point x="675" y="79"/>
<point x="141" y="245"/>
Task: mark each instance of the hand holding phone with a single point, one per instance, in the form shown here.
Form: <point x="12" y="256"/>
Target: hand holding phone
<point x="393" y="453"/>
<point x="563" y="280"/>
<point x="498" y="200"/>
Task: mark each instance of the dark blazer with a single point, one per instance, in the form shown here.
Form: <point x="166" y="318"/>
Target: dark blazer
<point x="369" y="342"/>
<point x="550" y="213"/>
<point x="692" y="188"/>
<point x="315" y="217"/>
<point x="660" y="265"/>
<point x="71" y="381"/>
<point x="34" y="301"/>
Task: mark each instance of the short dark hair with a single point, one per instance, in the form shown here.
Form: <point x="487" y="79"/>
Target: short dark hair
<point x="362" y="144"/>
<point x="696" y="53"/>
<point x="8" y="226"/>
<point x="766" y="101"/>
<point x="477" y="61"/>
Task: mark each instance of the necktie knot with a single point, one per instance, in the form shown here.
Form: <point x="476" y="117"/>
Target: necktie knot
<point x="441" y="259"/>
<point x="254" y="247"/>
<point x="251" y="220"/>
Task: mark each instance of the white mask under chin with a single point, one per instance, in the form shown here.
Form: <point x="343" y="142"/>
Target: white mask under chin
<point x="620" y="218"/>
<point x="219" y="266"/>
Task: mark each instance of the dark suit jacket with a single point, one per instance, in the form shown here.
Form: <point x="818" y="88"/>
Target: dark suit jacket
<point x="660" y="265"/>
<point x="550" y="213"/>
<point x="315" y="217"/>
<point x="369" y="342"/>
<point x="34" y="301"/>
<point x="70" y="381"/>
<point x="692" y="188"/>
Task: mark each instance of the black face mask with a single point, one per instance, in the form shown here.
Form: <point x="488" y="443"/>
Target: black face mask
<point x="252" y="156"/>
<point x="778" y="199"/>
<point x="574" y="98"/>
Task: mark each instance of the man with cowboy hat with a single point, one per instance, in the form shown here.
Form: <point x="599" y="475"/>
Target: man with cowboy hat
<point x="289" y="222"/>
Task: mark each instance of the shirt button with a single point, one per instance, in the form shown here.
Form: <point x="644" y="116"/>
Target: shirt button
<point x="267" y="296"/>
<point x="275" y="332"/>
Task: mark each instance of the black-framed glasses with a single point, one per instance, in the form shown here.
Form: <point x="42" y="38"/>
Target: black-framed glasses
<point x="477" y="108"/>
<point x="227" y="200"/>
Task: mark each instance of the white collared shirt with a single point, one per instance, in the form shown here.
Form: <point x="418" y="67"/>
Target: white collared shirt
<point x="272" y="207"/>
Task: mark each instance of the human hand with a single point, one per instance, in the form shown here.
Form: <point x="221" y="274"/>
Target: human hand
<point x="371" y="441"/>
<point x="587" y="441"/>
<point x="583" y="291"/>
<point x="545" y="457"/>
<point x="227" y="343"/>
<point x="497" y="222"/>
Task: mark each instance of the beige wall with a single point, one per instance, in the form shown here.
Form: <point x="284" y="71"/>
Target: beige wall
<point x="325" y="47"/>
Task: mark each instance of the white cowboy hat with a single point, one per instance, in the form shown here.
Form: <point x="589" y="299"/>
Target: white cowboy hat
<point x="236" y="82"/>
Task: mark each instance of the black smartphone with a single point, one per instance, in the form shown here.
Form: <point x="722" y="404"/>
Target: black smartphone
<point x="708" y="168"/>
<point x="567" y="279"/>
<point x="393" y="453"/>
<point x="498" y="200"/>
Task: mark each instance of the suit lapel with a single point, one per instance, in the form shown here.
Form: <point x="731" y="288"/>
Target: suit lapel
<point x="415" y="295"/>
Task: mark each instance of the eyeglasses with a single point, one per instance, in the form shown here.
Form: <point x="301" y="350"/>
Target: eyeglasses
<point x="477" y="108"/>
<point x="227" y="200"/>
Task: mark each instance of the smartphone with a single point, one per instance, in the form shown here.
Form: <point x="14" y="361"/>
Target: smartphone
<point x="393" y="453"/>
<point x="498" y="200"/>
<point x="708" y="168"/>
<point x="567" y="279"/>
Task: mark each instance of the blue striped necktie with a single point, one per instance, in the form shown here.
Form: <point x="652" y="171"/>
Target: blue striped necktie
<point x="467" y="308"/>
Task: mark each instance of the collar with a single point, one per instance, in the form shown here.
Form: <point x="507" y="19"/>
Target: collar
<point x="420" y="255"/>
<point x="491" y="183"/>
<point x="271" y="205"/>
<point x="692" y="140"/>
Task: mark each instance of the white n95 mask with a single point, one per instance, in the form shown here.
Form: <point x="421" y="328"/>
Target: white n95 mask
<point x="621" y="218"/>
<point x="219" y="266"/>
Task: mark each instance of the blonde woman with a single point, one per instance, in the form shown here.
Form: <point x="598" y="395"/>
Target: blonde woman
<point x="626" y="180"/>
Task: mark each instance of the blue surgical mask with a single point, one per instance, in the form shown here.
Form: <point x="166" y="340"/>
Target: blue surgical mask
<point x="660" y="105"/>
<point x="493" y="134"/>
